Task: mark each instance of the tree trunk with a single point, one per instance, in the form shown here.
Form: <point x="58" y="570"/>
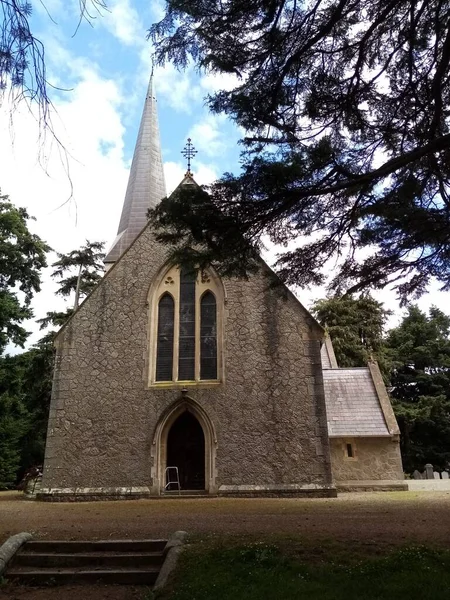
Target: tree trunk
<point x="77" y="291"/>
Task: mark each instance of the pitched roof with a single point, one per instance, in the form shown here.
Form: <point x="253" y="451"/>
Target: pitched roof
<point x="353" y="406"/>
<point x="146" y="185"/>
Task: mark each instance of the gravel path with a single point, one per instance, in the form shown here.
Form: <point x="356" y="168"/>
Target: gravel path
<point x="396" y="517"/>
<point x="379" y="519"/>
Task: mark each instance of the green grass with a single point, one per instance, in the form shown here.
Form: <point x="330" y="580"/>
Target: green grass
<point x="266" y="571"/>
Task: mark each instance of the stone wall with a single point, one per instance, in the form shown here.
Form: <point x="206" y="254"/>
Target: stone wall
<point x="375" y="459"/>
<point x="268" y="412"/>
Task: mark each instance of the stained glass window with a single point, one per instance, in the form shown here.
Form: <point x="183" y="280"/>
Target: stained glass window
<point x="164" y="355"/>
<point x="187" y="322"/>
<point x="208" y="337"/>
<point x="186" y="340"/>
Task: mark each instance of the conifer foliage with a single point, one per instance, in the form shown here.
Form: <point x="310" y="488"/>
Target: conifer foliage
<point x="22" y="256"/>
<point x="346" y="108"/>
<point x="420" y="380"/>
<point x="79" y="271"/>
<point x="356" y="328"/>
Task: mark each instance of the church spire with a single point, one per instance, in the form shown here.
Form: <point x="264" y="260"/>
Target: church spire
<point x="146" y="186"/>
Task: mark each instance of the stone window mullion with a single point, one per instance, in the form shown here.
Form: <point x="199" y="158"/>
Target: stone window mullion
<point x="196" y="328"/>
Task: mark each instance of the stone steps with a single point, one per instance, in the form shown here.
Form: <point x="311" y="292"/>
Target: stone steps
<point x="78" y="560"/>
<point x="128" y="562"/>
<point x="186" y="494"/>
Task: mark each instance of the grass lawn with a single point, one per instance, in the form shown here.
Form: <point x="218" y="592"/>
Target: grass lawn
<point x="278" y="569"/>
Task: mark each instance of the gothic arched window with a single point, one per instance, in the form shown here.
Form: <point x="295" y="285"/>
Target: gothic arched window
<point x="164" y="357"/>
<point x="185" y="339"/>
<point x="208" y="336"/>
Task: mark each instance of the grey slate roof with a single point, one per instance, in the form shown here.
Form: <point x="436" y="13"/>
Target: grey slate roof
<point x="146" y="185"/>
<point x="353" y="407"/>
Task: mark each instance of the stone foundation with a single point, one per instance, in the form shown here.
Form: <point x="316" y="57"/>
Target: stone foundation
<point x="372" y="486"/>
<point x="233" y="491"/>
<point x="278" y="491"/>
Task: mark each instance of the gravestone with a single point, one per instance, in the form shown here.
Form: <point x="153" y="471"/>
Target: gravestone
<point x="444" y="475"/>
<point x="417" y="474"/>
<point x="429" y="471"/>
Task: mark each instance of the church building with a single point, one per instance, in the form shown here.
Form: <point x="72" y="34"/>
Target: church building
<point x="169" y="382"/>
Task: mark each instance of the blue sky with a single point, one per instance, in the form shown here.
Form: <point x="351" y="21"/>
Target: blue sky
<point x="106" y="67"/>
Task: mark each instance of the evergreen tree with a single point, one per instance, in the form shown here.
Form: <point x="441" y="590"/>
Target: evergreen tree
<point x="57" y="318"/>
<point x="420" y="350"/>
<point x="22" y="256"/>
<point x="79" y="271"/>
<point x="345" y="105"/>
<point x="25" y="391"/>
<point x="355" y="326"/>
<point x="14" y="420"/>
<point x="36" y="387"/>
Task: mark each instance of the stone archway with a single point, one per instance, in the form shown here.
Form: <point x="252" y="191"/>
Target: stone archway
<point x="167" y="445"/>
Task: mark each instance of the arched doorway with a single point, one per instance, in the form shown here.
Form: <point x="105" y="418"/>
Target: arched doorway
<point x="186" y="450"/>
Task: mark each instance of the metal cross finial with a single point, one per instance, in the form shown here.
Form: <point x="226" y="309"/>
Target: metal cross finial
<point x="189" y="152"/>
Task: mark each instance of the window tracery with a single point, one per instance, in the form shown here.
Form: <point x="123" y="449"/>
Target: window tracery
<point x="187" y="315"/>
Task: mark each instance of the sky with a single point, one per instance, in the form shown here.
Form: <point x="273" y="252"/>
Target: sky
<point x="99" y="73"/>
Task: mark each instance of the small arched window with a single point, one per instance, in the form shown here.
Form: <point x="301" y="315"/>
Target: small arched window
<point x="188" y="319"/>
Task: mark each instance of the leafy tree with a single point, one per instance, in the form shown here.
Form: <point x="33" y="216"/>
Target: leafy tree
<point x="36" y="389"/>
<point x="346" y="108"/>
<point x="55" y="318"/>
<point x="420" y="349"/>
<point x="25" y="391"/>
<point x="87" y="262"/>
<point x="22" y="256"/>
<point x="14" y="419"/>
<point x="355" y="326"/>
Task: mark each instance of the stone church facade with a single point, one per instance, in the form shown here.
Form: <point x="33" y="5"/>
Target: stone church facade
<point x="169" y="382"/>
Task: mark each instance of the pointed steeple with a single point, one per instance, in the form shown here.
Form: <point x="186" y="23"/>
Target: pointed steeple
<point x="146" y="185"/>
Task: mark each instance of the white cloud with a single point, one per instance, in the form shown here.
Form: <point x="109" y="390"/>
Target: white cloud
<point x="51" y="9"/>
<point x="208" y="135"/>
<point x="122" y="20"/>
<point x="89" y="124"/>
<point x="178" y="88"/>
<point x="174" y="173"/>
<point x="388" y="296"/>
<point x="213" y="82"/>
<point x="157" y="10"/>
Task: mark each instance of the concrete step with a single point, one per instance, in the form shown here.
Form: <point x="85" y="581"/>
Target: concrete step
<point x="94" y="559"/>
<point x="59" y="562"/>
<point x="185" y="494"/>
<point x="86" y="546"/>
<point x="49" y="576"/>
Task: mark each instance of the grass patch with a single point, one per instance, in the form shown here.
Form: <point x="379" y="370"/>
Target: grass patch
<point x="267" y="571"/>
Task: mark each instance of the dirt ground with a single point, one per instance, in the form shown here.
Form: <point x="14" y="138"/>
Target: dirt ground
<point x="381" y="520"/>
